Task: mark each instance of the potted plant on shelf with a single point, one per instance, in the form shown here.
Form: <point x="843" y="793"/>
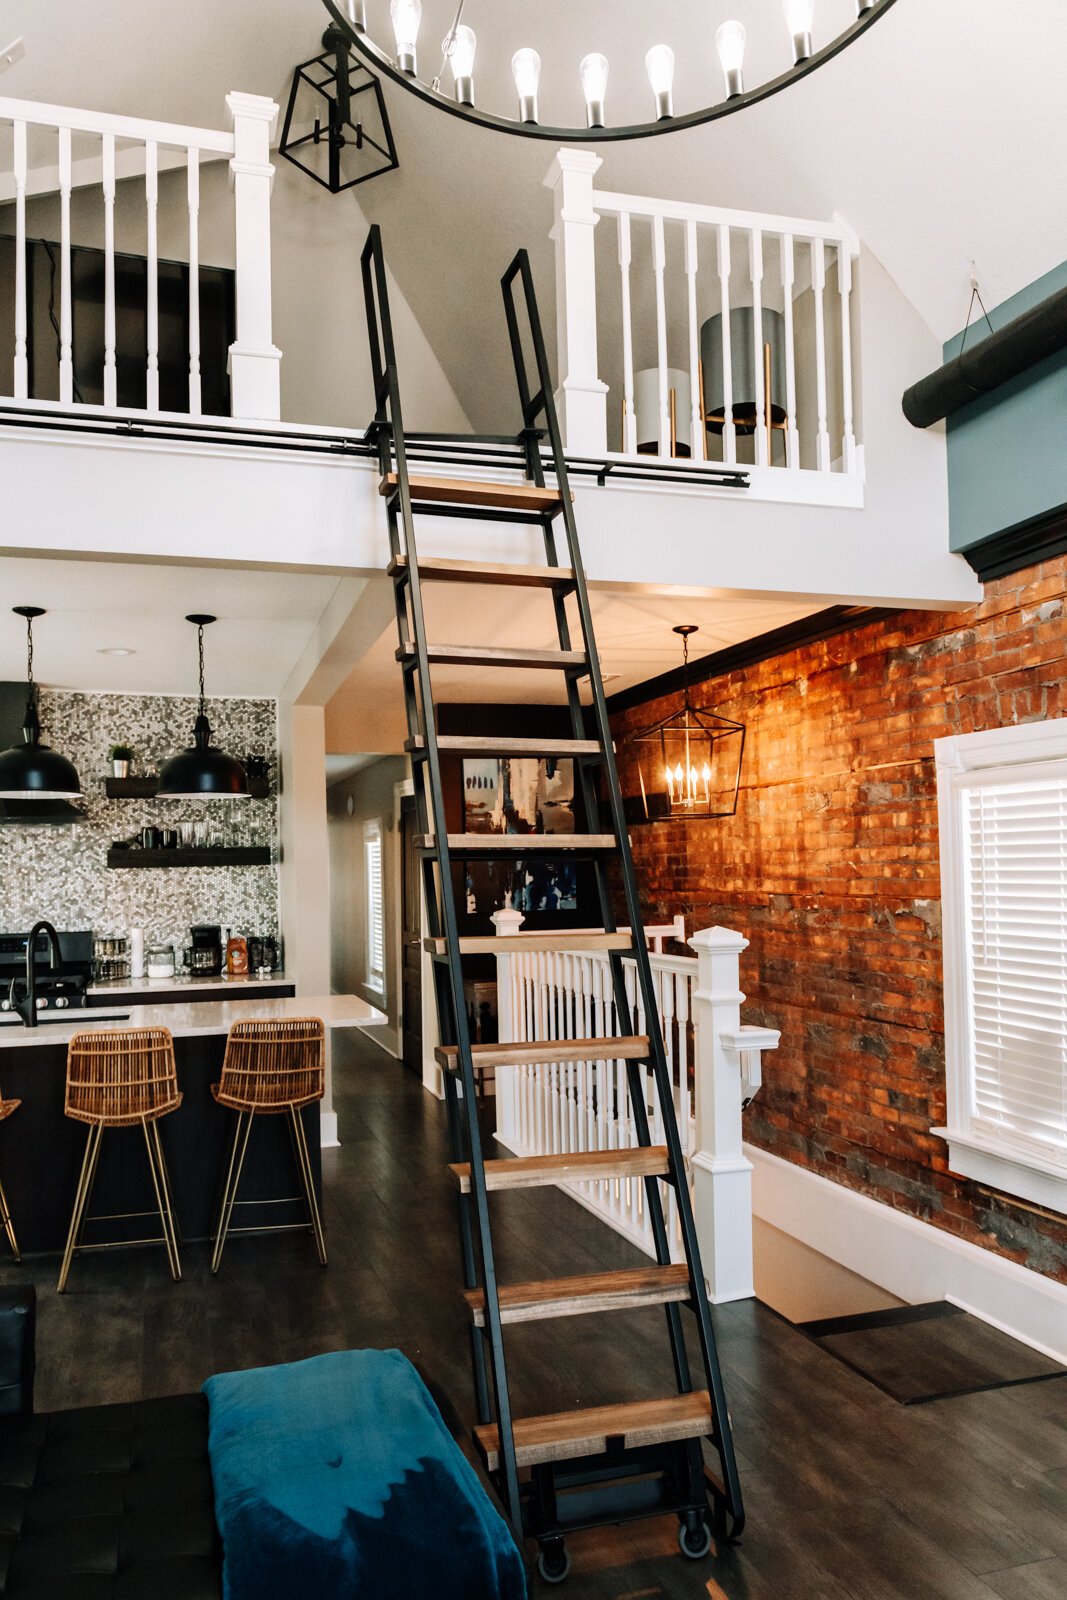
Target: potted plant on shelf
<point x="121" y="757"/>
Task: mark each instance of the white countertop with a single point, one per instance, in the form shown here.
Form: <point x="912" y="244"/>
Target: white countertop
<point x="183" y="980"/>
<point x="193" y="1019"/>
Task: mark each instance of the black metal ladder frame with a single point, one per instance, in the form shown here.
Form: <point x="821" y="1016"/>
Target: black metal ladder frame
<point x="465" y="1134"/>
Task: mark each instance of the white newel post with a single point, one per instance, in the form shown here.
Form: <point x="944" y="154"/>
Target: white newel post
<point x="581" y="398"/>
<point x="255" y="377"/>
<point x="506" y="923"/>
<point x="722" y="1174"/>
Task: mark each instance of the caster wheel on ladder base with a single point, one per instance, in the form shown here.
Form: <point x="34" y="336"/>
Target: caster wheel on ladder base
<point x="553" y="1561"/>
<point x="694" y="1541"/>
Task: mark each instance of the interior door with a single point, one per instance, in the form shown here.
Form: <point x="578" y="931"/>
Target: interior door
<point x="411" y="937"/>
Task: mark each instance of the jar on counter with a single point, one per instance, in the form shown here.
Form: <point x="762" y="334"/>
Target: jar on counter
<point x="160" y="959"/>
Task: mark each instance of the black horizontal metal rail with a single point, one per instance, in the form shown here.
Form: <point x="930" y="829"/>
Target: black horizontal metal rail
<point x="458" y="449"/>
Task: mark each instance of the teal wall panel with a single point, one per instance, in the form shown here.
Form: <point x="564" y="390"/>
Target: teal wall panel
<point x="1007" y="452"/>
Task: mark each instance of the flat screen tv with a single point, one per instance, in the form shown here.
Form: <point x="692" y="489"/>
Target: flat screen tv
<point x="43" y="288"/>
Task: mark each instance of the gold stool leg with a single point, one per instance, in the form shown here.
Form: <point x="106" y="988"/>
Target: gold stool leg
<point x="81" y="1199"/>
<point x="8" y="1225"/>
<point x="164" y="1173"/>
<point x="233" y="1178"/>
<point x="162" y="1206"/>
<point x="304" y="1160"/>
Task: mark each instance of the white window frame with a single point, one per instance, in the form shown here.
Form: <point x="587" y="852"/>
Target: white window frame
<point x="997" y="754"/>
<point x="374" y="835"/>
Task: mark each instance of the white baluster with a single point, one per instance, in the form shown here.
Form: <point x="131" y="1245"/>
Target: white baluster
<point x="151" y="197"/>
<point x="755" y="270"/>
<point x="110" y="374"/>
<point x="66" y="325"/>
<point x="21" y="373"/>
<point x="729" y="432"/>
<point x="194" y="283"/>
<point x="844" y="283"/>
<point x="629" y="415"/>
<point x="506" y="924"/>
<point x="685" y="1061"/>
<point x="818" y="285"/>
<point x="697" y="436"/>
<point x="659" y="264"/>
<point x="792" y="436"/>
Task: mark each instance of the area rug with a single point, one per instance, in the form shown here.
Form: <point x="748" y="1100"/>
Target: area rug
<point x="930" y="1352"/>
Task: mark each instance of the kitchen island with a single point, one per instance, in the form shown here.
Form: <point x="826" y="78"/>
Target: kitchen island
<point x="41" y="1149"/>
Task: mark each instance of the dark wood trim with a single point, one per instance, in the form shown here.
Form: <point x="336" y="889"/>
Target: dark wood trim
<point x="1040" y="538"/>
<point x="806" y="630"/>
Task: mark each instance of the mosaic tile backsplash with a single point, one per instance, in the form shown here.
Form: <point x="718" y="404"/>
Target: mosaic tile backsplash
<point x="60" y="872"/>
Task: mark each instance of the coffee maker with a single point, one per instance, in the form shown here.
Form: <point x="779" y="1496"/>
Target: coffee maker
<point x="205" y="951"/>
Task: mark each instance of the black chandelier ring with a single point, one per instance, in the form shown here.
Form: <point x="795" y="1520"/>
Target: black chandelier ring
<point x="349" y="17"/>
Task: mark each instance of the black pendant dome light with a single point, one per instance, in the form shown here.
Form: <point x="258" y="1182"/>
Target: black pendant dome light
<point x="31" y="771"/>
<point x="202" y="773"/>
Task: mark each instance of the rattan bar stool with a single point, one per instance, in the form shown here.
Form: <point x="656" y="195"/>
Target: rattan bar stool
<point x="122" y="1079"/>
<point x="271" y="1068"/>
<point x="7" y="1107"/>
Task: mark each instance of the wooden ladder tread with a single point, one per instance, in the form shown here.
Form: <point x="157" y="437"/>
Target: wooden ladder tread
<point x="487" y="944"/>
<point x="571" y="1435"/>
<point x="506" y="844"/>
<point x="471" y="655"/>
<point x="629" y="1048"/>
<point x="502" y="745"/>
<point x="476" y="492"/>
<point x="507" y="574"/>
<point x="575" y="1297"/>
<point x="586" y="1166"/>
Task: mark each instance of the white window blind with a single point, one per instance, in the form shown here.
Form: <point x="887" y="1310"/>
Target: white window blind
<point x="375" y="892"/>
<point x="1014" y="838"/>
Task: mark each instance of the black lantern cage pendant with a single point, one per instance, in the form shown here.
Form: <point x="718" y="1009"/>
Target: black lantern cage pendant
<point x="202" y="772"/>
<point x="336" y="127"/>
<point x="689" y="764"/>
<point x="31" y="770"/>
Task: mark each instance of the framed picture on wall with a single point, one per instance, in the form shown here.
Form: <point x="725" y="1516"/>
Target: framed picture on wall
<point x="518" y="794"/>
<point x="531" y="885"/>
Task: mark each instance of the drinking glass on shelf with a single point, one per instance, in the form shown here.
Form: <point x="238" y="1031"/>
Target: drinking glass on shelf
<point x="188" y="835"/>
<point x="200" y="835"/>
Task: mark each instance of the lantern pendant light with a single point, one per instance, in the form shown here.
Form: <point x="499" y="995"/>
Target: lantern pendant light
<point x="689" y="765"/>
<point x="201" y="772"/>
<point x="31" y="771"/>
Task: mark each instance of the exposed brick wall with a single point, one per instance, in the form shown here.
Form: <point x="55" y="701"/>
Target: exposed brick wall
<point x="830" y="868"/>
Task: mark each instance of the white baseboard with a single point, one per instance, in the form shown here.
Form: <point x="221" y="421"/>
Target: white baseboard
<point x="911" y="1259"/>
<point x="387" y="1039"/>
<point x="328" y="1139"/>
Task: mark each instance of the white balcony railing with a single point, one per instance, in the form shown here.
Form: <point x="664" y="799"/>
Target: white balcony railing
<point x="714" y="1062"/>
<point x="54" y="151"/>
<point x="702" y="334"/>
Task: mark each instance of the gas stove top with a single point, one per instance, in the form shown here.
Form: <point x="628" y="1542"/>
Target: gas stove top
<point x="58" y="989"/>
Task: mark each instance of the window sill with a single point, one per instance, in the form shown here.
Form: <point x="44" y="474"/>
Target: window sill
<point x="1012" y="1174"/>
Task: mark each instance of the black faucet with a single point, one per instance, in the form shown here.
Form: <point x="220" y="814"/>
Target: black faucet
<point x="26" y="1006"/>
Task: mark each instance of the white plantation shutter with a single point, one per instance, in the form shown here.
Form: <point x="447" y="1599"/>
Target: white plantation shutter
<point x="1014" y="861"/>
<point x="375" y="892"/>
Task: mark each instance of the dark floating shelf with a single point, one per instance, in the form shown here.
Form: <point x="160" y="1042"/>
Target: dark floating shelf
<point x="145" y="788"/>
<point x="256" y="855"/>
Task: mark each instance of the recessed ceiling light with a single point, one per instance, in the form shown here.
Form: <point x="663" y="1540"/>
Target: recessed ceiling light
<point x="116" y="650"/>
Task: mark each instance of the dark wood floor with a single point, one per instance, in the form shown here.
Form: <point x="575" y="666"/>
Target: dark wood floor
<point x="848" y="1493"/>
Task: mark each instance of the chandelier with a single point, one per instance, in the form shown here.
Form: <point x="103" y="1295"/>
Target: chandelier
<point x="689" y="764"/>
<point x="403" y="39"/>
